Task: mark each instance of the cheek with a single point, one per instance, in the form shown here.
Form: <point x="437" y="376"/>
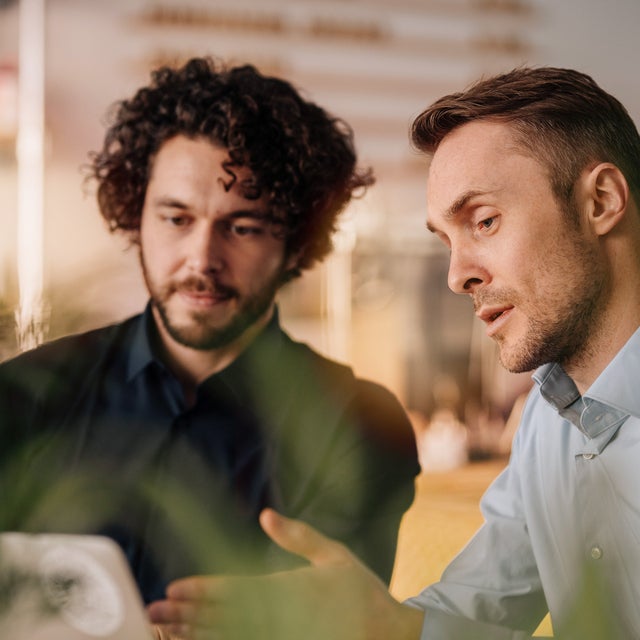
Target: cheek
<point x="159" y="259"/>
<point x="525" y="262"/>
<point x="259" y="263"/>
<point x="544" y="281"/>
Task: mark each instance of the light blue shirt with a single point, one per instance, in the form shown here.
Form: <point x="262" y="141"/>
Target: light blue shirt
<point x="562" y="522"/>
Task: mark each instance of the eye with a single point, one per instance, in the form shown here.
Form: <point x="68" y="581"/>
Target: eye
<point x="487" y="223"/>
<point x="176" y="220"/>
<point x="244" y="228"/>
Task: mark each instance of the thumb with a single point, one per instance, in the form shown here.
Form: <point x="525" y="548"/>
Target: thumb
<point x="303" y="540"/>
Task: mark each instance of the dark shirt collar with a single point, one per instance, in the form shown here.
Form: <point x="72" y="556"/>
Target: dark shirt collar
<point x="142" y="353"/>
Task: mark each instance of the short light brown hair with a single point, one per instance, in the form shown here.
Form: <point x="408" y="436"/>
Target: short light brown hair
<point x="561" y="117"/>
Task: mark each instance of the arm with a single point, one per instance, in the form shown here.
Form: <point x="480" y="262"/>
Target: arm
<point x="389" y="472"/>
<point x="366" y="480"/>
<point x="344" y="457"/>
<point x="491" y="591"/>
<point x="335" y="597"/>
<point x="494" y="580"/>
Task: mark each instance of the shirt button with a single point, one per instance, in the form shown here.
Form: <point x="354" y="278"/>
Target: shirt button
<point x="596" y="552"/>
<point x="588" y="456"/>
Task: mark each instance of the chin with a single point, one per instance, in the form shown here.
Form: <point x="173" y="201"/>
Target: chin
<point x="518" y="362"/>
<point x="511" y="361"/>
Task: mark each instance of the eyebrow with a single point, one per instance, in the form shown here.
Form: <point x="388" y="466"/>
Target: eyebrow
<point x="175" y="203"/>
<point x="255" y="214"/>
<point x="170" y="202"/>
<point x="460" y="203"/>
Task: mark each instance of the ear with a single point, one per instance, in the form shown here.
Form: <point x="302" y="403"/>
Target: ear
<point x="608" y="192"/>
<point x="293" y="260"/>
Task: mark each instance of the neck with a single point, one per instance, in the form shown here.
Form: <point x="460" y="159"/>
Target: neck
<point x="193" y="366"/>
<point x="585" y="368"/>
<point x="619" y="320"/>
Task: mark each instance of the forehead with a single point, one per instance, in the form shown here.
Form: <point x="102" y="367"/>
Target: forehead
<point x="476" y="158"/>
<point x="467" y="150"/>
<point x="181" y="150"/>
<point x="198" y="163"/>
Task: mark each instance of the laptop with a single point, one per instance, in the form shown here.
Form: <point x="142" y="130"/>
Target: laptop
<point x="68" y="587"/>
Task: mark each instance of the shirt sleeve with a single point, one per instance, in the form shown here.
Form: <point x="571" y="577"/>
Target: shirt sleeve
<point x="445" y="626"/>
<point x="494" y="580"/>
<point x="341" y="451"/>
<point x="366" y="479"/>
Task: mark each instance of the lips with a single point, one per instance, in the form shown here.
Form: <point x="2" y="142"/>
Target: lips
<point x="202" y="293"/>
<point x="206" y="295"/>
<point x="494" y="316"/>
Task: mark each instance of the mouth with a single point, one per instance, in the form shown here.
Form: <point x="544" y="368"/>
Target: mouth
<point x="494" y="317"/>
<point x="204" y="294"/>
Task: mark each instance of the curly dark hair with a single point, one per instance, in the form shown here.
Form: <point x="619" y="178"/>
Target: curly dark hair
<point x="300" y="155"/>
<point x="560" y="116"/>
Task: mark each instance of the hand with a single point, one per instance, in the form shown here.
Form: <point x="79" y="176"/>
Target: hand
<point x="336" y="597"/>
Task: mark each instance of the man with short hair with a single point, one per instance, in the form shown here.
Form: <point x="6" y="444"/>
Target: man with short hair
<point x="171" y="431"/>
<point x="534" y="187"/>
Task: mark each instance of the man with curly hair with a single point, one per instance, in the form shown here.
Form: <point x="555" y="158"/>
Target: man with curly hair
<point x="174" y="429"/>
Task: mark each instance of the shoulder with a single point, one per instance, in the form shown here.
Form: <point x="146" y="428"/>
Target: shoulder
<point x="67" y="357"/>
<point x="307" y="364"/>
<point x="384" y="416"/>
<point x="372" y="406"/>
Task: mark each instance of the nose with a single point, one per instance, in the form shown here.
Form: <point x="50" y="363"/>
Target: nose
<point x="466" y="272"/>
<point x="205" y="251"/>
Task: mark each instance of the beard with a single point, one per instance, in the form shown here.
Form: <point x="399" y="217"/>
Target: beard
<point x="563" y="339"/>
<point x="202" y="331"/>
<point x="563" y="319"/>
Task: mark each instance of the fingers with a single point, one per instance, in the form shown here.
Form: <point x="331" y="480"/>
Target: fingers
<point x="181" y="632"/>
<point x="212" y="607"/>
<point x="171" y="632"/>
<point x="197" y="607"/>
<point x="182" y="620"/>
<point x="173" y="612"/>
<point x="196" y="588"/>
<point x="303" y="540"/>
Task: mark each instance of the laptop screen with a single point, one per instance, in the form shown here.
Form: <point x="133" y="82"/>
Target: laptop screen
<point x="67" y="587"/>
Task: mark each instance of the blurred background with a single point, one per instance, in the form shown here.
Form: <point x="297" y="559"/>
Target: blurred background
<point x="380" y="302"/>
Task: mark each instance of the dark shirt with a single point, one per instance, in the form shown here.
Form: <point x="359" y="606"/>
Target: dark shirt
<point x="97" y="438"/>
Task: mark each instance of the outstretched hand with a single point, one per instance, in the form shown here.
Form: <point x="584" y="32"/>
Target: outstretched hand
<point x="335" y="597"/>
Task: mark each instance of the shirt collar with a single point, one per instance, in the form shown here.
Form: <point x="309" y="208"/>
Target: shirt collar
<point x="141" y="353"/>
<point x="606" y="404"/>
<point x="237" y="376"/>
